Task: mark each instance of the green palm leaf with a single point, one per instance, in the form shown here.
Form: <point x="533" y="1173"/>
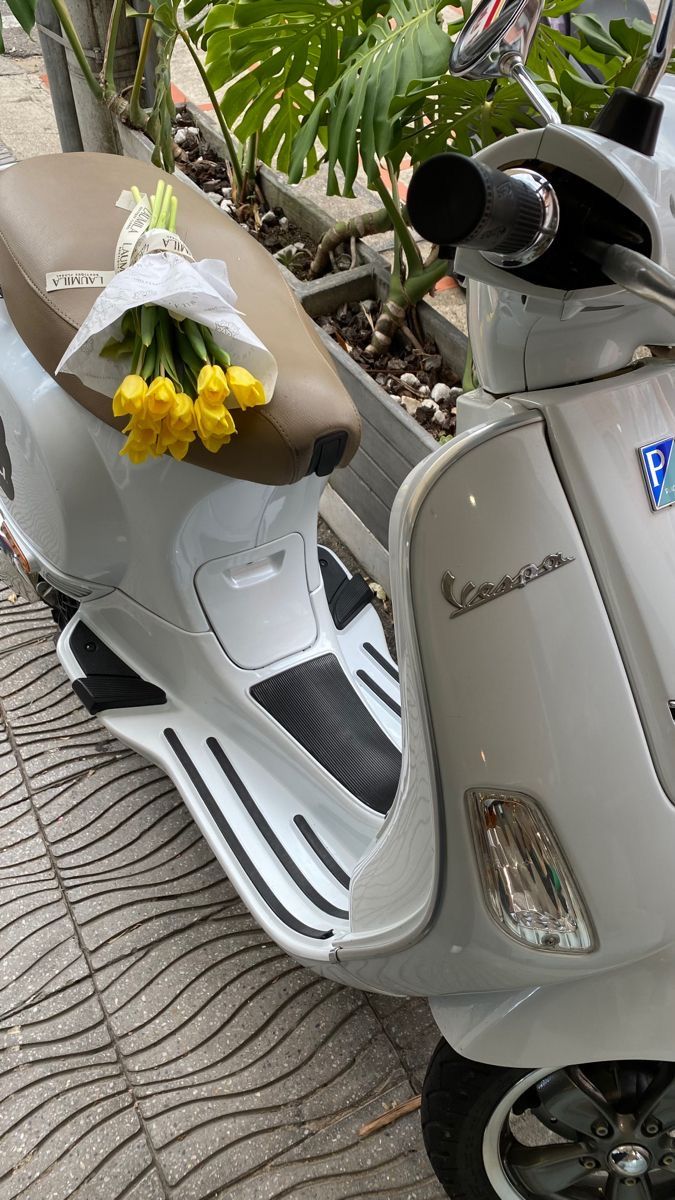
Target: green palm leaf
<point x="402" y="42"/>
<point x="24" y="11"/>
<point x="272" y="64"/>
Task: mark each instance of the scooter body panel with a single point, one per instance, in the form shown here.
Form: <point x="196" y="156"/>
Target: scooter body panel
<point x="623" y="1014"/>
<point x="526" y="691"/>
<point x="596" y="432"/>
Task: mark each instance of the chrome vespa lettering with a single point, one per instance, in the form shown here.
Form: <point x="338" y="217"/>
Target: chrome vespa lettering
<point x="472" y="597"/>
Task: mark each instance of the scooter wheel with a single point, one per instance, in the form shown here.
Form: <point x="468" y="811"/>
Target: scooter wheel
<point x="458" y="1100"/>
<point x="584" y="1132"/>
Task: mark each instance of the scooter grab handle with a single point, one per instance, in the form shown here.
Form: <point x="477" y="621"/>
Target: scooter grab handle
<point x="458" y="201"/>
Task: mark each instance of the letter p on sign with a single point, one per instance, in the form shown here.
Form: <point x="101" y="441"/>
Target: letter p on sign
<point x="658" y="472"/>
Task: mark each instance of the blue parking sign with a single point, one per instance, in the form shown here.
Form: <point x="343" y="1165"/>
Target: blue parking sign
<point x="658" y="467"/>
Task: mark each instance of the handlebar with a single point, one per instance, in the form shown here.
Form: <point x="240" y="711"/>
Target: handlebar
<point x="458" y="201"/>
<point x="635" y="272"/>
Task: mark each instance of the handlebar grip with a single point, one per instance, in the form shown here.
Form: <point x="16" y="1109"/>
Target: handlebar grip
<point x="458" y="201"/>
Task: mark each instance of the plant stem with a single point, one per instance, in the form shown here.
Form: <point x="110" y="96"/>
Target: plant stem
<point x="61" y="10"/>
<point x="249" y="162"/>
<point x="401" y="298"/>
<point x="417" y="285"/>
<point x="136" y="114"/>
<point x="224" y="129"/>
<point x="412" y="254"/>
<point x="108" y="71"/>
<point x="468" y="381"/>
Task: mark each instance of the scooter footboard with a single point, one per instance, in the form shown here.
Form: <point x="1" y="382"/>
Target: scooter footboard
<point x="513" y="687"/>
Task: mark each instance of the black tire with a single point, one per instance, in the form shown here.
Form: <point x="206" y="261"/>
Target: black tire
<point x="458" y="1099"/>
<point x="574" y="1153"/>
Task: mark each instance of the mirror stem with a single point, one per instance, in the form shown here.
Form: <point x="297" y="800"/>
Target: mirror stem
<point x="513" y="66"/>
<point x="660" y="50"/>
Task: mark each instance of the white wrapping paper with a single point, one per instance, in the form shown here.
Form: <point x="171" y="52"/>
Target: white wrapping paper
<point x="199" y="290"/>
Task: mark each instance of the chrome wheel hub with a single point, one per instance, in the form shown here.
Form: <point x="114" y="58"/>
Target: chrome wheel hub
<point x="629" y="1161"/>
<point x="585" y="1133"/>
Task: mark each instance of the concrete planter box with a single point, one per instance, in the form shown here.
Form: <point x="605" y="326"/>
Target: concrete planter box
<point x="392" y="442"/>
<point x="359" y="500"/>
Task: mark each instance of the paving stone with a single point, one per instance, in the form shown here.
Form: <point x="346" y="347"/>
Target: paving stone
<point x="334" y="1163"/>
<point x="412" y="1030"/>
<point x="154" y="1044"/>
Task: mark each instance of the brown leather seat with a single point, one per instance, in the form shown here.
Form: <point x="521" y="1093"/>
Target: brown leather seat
<point x="58" y="212"/>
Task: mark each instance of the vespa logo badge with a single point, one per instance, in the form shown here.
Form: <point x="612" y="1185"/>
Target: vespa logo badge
<point x="472" y="597"/>
<point x="658" y="467"/>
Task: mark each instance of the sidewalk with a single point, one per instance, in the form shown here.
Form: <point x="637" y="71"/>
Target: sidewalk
<point x="154" y="1045"/>
<point x="27" y="124"/>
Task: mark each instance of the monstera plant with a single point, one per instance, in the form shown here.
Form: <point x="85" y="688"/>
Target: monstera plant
<point x="354" y="84"/>
<point x="364" y="83"/>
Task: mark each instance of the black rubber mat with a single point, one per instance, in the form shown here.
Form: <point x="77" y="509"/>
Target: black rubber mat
<point x="317" y="705"/>
<point x="347" y="596"/>
<point x="108" y="682"/>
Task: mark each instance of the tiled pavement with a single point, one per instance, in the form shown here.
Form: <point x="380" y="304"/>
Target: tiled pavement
<point x="153" y="1043"/>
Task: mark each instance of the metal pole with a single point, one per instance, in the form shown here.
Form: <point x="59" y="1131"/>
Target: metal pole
<point x="660" y="50"/>
<point x="54" y="55"/>
<point x="91" y="18"/>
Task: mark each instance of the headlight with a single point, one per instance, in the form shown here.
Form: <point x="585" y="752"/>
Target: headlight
<point x="529" y="888"/>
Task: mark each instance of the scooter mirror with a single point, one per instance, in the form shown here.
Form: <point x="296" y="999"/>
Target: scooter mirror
<point x="496" y="41"/>
<point x="494" y="29"/>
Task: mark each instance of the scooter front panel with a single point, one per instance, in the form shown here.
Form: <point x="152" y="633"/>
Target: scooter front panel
<point x="597" y="432"/>
<point x="526" y="691"/>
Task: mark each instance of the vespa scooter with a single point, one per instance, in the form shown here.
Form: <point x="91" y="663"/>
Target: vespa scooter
<point x="495" y="830"/>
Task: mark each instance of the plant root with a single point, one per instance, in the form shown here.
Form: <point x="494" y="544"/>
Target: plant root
<point x="388" y="324"/>
<point x="367" y="224"/>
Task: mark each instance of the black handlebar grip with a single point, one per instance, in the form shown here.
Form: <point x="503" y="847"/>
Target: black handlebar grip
<point x="458" y="201"/>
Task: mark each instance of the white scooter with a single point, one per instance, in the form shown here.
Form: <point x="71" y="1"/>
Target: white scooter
<point x="514" y="861"/>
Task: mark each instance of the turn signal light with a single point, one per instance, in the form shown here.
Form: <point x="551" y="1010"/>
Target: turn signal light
<point x="529" y="888"/>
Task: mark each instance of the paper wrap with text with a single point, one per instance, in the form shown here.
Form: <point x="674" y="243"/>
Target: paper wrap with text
<point x="200" y="290"/>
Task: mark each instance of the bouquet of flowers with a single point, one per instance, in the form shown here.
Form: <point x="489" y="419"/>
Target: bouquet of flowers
<point x="181" y="382"/>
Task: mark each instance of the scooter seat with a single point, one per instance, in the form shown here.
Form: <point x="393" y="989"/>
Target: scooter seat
<point x="58" y="212"/>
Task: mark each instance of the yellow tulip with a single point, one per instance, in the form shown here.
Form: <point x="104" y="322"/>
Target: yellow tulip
<point x="246" y="389"/>
<point x="136" y="453"/>
<point x="213" y="422"/>
<point x="214" y="444"/>
<point x="144" y="433"/>
<point x="179" y="449"/>
<point x="160" y="397"/>
<point x="130" y="396"/>
<point x="168" y="440"/>
<point x="212" y="385"/>
<point x="182" y="413"/>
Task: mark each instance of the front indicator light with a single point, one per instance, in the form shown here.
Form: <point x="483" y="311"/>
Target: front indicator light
<point x="529" y="888"/>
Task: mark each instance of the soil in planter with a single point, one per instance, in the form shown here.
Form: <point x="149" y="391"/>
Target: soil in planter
<point x="407" y="374"/>
<point x="270" y="227"/>
<point x="418" y="380"/>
